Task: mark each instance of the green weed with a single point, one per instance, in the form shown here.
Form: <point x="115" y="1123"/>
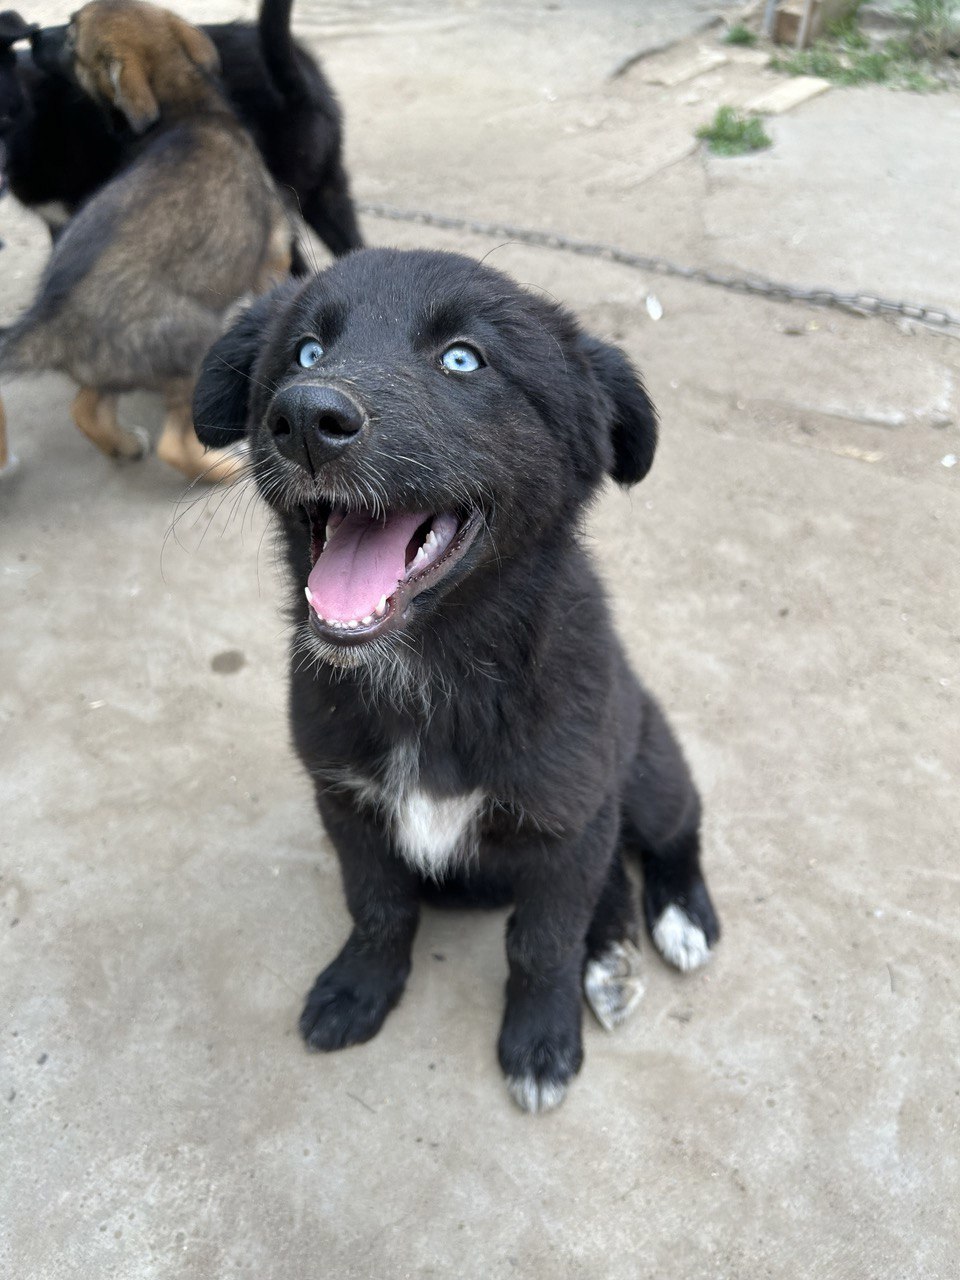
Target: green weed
<point x="847" y="57"/>
<point x="740" y="34"/>
<point x="934" y="26"/>
<point x="733" y="134"/>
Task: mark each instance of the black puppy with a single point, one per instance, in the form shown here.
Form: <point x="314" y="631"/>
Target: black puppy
<point x="12" y="98"/>
<point x="429" y="435"/>
<point x="63" y="147"/>
<point x="56" y="145"/>
<point x="13" y="29"/>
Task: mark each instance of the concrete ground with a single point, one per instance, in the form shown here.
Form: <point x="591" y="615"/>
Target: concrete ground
<point x="786" y="579"/>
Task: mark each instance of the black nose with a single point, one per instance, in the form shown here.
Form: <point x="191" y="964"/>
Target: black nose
<point x="311" y="425"/>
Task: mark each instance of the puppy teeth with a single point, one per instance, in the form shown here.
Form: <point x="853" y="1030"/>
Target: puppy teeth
<point x="367" y="620"/>
<point x="352" y="624"/>
<point x="312" y="603"/>
<point x="381" y="608"/>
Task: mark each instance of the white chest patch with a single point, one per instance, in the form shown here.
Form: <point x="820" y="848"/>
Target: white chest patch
<point x="430" y="832"/>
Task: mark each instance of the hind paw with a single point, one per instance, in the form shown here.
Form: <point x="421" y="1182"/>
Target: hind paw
<point x="613" y="984"/>
<point x="680" y="940"/>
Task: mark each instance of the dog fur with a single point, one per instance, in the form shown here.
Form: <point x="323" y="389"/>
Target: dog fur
<point x="56" y="144"/>
<point x="62" y="147"/>
<point x="480" y="738"/>
<point x="140" y="281"/>
<point x="13" y="29"/>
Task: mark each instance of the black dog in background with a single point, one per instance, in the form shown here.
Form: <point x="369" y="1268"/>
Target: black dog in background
<point x="429" y="435"/>
<point x="61" y="147"/>
<point x="13" y="100"/>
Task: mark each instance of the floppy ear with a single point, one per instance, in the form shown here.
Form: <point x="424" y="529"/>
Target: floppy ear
<point x="633" y="419"/>
<point x="221" y="397"/>
<point x="131" y="94"/>
<point x="14" y="28"/>
<point x="196" y="44"/>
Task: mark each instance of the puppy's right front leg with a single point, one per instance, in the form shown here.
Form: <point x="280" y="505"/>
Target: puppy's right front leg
<point x="354" y="994"/>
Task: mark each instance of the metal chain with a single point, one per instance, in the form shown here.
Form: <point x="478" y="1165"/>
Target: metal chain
<point x="860" y="303"/>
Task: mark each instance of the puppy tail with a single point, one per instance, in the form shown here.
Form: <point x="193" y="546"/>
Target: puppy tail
<point x="9" y="362"/>
<point x="279" y="50"/>
<point x="24" y="349"/>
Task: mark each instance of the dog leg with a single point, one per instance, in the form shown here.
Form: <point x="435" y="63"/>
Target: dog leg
<point x="331" y="214"/>
<point x="179" y="448"/>
<point x="661" y="824"/>
<point x="299" y="265"/>
<point x="612" y="980"/>
<point x="278" y="259"/>
<point x="540" y="1047"/>
<point x="354" y="994"/>
<point x="96" y="416"/>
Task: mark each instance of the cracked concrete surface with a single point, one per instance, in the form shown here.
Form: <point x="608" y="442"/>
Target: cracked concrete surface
<point x="786" y="580"/>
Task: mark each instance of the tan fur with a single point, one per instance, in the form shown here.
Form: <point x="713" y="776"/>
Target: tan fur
<point x="141" y="281"/>
<point x="143" y="60"/>
<point x="179" y="447"/>
<point x="96" y="416"/>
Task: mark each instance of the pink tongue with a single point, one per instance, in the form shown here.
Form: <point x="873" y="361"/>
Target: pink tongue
<point x="363" y="561"/>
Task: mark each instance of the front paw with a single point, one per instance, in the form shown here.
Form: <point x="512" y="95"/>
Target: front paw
<point x="132" y="444"/>
<point x="540" y="1048"/>
<point x="351" y="999"/>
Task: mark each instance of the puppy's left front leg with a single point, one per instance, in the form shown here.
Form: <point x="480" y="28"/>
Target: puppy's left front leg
<point x="354" y="994"/>
<point x="95" y="413"/>
<point x="556" y="890"/>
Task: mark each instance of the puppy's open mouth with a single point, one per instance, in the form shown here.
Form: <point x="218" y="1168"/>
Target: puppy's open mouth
<point x="367" y="568"/>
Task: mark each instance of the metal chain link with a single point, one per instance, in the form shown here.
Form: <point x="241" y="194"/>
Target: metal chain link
<point x="860" y="303"/>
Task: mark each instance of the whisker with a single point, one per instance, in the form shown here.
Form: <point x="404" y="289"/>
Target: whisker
<point x="243" y="374"/>
<point x="305" y="240"/>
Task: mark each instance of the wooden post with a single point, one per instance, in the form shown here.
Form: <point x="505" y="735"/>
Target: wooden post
<point x="800" y="22"/>
<point x="803" y="35"/>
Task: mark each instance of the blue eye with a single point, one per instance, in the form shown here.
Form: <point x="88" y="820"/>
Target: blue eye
<point x="460" y="359"/>
<point x="309" y="354"/>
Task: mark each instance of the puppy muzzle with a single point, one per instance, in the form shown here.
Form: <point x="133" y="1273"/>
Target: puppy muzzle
<point x="313" y="424"/>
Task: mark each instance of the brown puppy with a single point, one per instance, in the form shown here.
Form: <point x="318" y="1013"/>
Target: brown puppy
<point x="139" y="284"/>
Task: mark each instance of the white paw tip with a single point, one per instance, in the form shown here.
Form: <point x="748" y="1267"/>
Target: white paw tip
<point x="531" y="1094"/>
<point x="142" y="437"/>
<point x="613" y="984"/>
<point x="680" y="941"/>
